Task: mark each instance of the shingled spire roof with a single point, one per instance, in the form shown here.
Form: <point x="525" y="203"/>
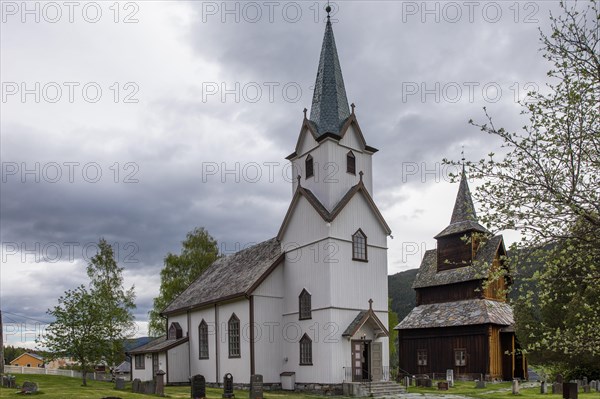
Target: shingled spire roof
<point x="329" y="107"/>
<point x="464" y="217"/>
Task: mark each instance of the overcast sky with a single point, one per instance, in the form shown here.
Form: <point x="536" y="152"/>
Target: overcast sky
<point x="138" y="121"/>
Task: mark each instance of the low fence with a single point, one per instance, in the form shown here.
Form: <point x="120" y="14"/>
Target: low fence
<point x="96" y="376"/>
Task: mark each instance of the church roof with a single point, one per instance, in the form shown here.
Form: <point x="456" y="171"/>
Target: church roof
<point x="464" y="217"/>
<point x="329" y="107"/>
<point x="160" y="344"/>
<point x="458" y="313"/>
<point x="330" y="216"/>
<point x="230" y="277"/>
<point x="429" y="275"/>
<point x="366" y="316"/>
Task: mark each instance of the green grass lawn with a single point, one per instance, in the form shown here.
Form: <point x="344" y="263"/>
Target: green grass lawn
<point x="58" y="387"/>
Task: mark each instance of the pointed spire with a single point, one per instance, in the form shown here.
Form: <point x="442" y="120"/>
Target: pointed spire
<point x="464" y="210"/>
<point x="464" y="218"/>
<point x="329" y="107"/>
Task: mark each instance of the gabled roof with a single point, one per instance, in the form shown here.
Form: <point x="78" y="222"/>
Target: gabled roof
<point x="363" y="317"/>
<point x="464" y="217"/>
<point x="230" y="277"/>
<point x="458" y="313"/>
<point x="160" y="344"/>
<point x="429" y="276"/>
<point x="329" y="107"/>
<point x="312" y="129"/>
<point x="33" y="355"/>
<point x="330" y="216"/>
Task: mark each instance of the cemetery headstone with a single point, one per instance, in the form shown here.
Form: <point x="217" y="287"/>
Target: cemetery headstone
<point x="544" y="388"/>
<point x="443" y="386"/>
<point x="136" y="385"/>
<point x="228" y="386"/>
<point x="119" y="383"/>
<point x="515" y="387"/>
<point x="29" y="387"/>
<point x="406" y="381"/>
<point x="586" y="389"/>
<point x="557" y="388"/>
<point x="559" y="378"/>
<point x="479" y="384"/>
<point x="570" y="390"/>
<point x="585" y="381"/>
<point x="256" y="386"/>
<point x="198" y="387"/>
<point x="450" y="377"/>
<point x="148" y="387"/>
<point x="159" y="387"/>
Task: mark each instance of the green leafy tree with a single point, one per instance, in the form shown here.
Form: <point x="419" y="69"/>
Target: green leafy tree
<point x="546" y="185"/>
<point x="76" y="330"/>
<point x="198" y="251"/>
<point x="90" y="324"/>
<point x="106" y="286"/>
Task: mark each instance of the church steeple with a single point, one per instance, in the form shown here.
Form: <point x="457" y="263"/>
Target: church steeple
<point x="329" y="107"/>
<point x="464" y="218"/>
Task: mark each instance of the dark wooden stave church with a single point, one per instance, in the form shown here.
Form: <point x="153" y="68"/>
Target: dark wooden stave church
<point x="460" y="322"/>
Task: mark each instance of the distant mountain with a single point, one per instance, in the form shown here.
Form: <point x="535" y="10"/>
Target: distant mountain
<point x="401" y="292"/>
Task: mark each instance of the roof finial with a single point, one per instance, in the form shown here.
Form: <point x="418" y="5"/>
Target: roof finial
<point x="370" y="304"/>
<point x="305" y="110"/>
<point x="352" y="106"/>
<point x="361" y="175"/>
<point x="328" y="9"/>
<point x="299" y="177"/>
<point x="463" y="159"/>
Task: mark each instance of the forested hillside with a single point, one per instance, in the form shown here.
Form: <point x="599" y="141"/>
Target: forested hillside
<point x="401" y="292"/>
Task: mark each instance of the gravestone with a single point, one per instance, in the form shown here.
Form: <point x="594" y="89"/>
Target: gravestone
<point x="424" y="381"/>
<point x="586" y="389"/>
<point x="570" y="390"/>
<point x="9" y="381"/>
<point x="544" y="388"/>
<point x="479" y="384"/>
<point x="515" y="387"/>
<point x="256" y="387"/>
<point x="136" y="385"/>
<point x="407" y="381"/>
<point x="119" y="383"/>
<point x="585" y="381"/>
<point x="198" y="387"/>
<point x="159" y="387"/>
<point x="559" y="378"/>
<point x="29" y="387"/>
<point x="450" y="377"/>
<point x="557" y="388"/>
<point x="443" y="386"/>
<point x="228" y="386"/>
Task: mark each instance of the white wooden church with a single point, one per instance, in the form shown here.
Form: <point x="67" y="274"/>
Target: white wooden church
<point x="310" y="304"/>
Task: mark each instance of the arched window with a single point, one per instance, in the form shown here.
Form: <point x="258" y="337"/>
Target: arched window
<point x="305" y="306"/>
<point x="310" y="171"/>
<point x="203" y="340"/>
<point x="359" y="246"/>
<point x="234" y="336"/>
<point x="175" y="331"/>
<point x="305" y="351"/>
<point x="350" y="163"/>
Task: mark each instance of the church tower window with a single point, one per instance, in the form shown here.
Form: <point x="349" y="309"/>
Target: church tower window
<point x="305" y="305"/>
<point x="305" y="351"/>
<point x="351" y="163"/>
<point x="359" y="246"/>
<point x="309" y="167"/>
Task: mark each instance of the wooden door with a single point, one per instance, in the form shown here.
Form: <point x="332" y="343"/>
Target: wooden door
<point x="357" y="360"/>
<point x="376" y="361"/>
